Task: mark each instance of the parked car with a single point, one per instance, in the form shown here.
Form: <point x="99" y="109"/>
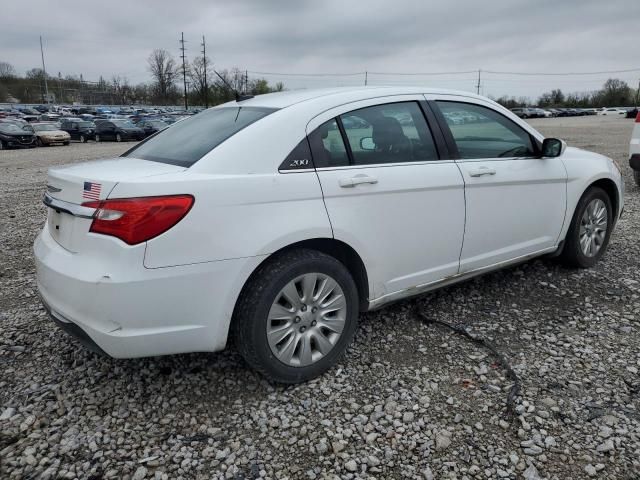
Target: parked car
<point x="525" y="112"/>
<point x="13" y="135"/>
<point x="117" y="130"/>
<point x="632" y="112"/>
<point x="612" y="111"/>
<point x="261" y="222"/>
<point x="78" y="129"/>
<point x="49" y="134"/>
<point x="634" y="150"/>
<point x="151" y="127"/>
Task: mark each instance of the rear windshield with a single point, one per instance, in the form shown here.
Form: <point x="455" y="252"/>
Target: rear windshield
<point x="187" y="141"/>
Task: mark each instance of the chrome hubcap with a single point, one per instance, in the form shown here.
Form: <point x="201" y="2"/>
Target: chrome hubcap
<point x="593" y="227"/>
<point x="306" y="319"/>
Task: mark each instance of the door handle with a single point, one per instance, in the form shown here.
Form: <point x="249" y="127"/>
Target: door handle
<point x="357" y="180"/>
<point x="479" y="172"/>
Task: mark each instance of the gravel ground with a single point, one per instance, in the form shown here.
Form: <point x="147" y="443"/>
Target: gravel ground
<point x="410" y="400"/>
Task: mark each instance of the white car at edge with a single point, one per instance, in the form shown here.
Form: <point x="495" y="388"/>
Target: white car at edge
<point x="275" y="220"/>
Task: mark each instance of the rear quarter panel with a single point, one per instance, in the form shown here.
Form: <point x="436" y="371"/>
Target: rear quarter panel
<point x="233" y="216"/>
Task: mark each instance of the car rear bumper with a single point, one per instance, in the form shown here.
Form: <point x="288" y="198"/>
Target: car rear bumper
<point x="131" y="311"/>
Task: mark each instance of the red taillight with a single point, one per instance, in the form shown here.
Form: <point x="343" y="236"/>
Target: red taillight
<point x="136" y="220"/>
<point x="638" y="117"/>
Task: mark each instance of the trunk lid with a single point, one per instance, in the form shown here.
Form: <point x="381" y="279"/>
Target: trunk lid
<point x="73" y="185"/>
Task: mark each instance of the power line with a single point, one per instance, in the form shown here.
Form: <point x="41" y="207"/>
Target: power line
<point x="307" y="74"/>
<point x="630" y="70"/>
<point x="459" y="72"/>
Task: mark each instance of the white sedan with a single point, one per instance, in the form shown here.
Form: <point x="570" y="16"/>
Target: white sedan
<point x="275" y="220"/>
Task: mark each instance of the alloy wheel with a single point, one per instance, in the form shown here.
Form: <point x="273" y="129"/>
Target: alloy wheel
<point x="306" y="319"/>
<point x="593" y="227"/>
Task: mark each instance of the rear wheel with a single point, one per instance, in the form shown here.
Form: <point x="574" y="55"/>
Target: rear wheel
<point x="2" y="145"/>
<point x="590" y="229"/>
<point x="97" y="138"/>
<point x="39" y="142"/>
<point x="118" y="137"/>
<point x="296" y="315"/>
<point x="636" y="177"/>
<point x="83" y="139"/>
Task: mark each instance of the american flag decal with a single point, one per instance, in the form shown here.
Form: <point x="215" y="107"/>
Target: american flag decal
<point x="91" y="191"/>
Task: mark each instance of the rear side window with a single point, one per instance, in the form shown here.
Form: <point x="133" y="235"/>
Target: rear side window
<point x="187" y="141"/>
<point x="327" y="145"/>
<point x="480" y="132"/>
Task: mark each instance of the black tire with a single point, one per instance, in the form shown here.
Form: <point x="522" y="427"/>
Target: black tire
<point x="249" y="323"/>
<point x="97" y="138"/>
<point x="572" y="253"/>
<point x="83" y="139"/>
<point x="2" y="145"/>
<point x="118" y="137"/>
<point x="636" y="177"/>
<point x="67" y="143"/>
<point x="39" y="142"/>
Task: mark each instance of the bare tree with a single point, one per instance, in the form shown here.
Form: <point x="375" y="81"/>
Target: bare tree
<point x="198" y="74"/>
<point x="164" y="70"/>
<point x="6" y="71"/>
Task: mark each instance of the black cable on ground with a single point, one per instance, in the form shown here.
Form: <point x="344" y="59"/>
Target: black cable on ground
<point x="514" y="391"/>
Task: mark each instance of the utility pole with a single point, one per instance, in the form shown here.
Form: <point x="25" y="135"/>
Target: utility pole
<point x="44" y="72"/>
<point x="246" y="81"/>
<point x="204" y="65"/>
<point x="638" y="95"/>
<point x="366" y="74"/>
<point x="478" y="86"/>
<point x="184" y="71"/>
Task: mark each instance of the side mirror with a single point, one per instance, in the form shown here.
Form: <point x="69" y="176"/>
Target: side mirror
<point x="366" y="143"/>
<point x="553" y="147"/>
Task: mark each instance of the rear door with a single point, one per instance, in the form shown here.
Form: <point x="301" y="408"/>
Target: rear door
<point x="515" y="200"/>
<point x="388" y="191"/>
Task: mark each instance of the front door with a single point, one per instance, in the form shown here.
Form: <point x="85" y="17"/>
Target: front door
<point x="387" y="192"/>
<point x="515" y="200"/>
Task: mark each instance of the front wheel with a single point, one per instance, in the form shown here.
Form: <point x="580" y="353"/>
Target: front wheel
<point x="590" y="229"/>
<point x="83" y="139"/>
<point x="2" y="146"/>
<point x="296" y="316"/>
<point x="97" y="138"/>
<point x="118" y="137"/>
<point x="636" y="177"/>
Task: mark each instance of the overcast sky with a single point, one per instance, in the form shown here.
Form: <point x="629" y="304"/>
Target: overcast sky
<point x="338" y="36"/>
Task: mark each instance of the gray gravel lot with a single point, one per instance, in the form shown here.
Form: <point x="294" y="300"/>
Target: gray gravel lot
<point x="410" y="400"/>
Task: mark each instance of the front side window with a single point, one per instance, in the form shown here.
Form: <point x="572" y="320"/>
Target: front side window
<point x="389" y="133"/>
<point x="480" y="132"/>
<point x="189" y="140"/>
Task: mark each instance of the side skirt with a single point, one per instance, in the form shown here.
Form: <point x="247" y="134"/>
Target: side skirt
<point x="380" y="302"/>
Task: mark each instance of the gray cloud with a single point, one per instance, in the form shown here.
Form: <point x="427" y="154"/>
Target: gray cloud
<point x="115" y="38"/>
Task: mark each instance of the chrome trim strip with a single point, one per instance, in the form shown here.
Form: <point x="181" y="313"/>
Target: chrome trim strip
<point x="67" y="207"/>
<point x="459" y="277"/>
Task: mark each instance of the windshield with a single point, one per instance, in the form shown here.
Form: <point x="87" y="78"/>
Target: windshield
<point x="44" y="128"/>
<point x="10" y="128"/>
<point x="123" y="123"/>
<point x="188" y="141"/>
<point x="85" y="124"/>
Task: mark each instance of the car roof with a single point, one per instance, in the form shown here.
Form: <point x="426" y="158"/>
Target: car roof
<point x="345" y="94"/>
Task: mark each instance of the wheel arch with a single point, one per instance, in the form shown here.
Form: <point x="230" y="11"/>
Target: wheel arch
<point x="611" y="189"/>
<point x="339" y="250"/>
